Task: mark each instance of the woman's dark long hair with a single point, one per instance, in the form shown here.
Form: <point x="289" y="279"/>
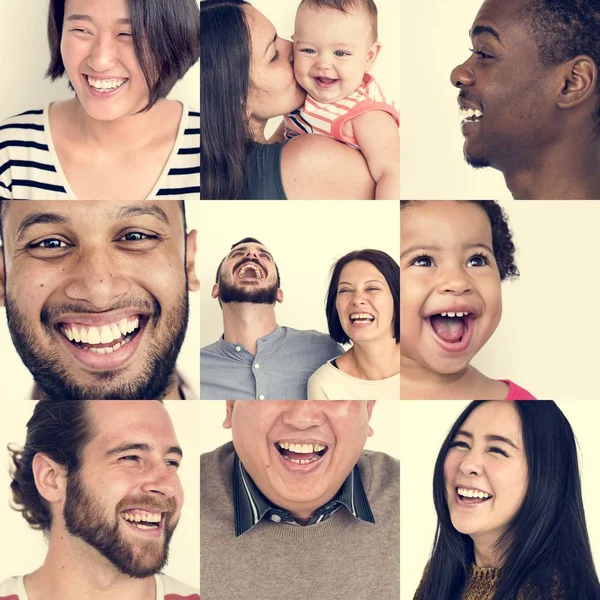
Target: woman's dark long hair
<point x="545" y="553"/>
<point x="224" y="83"/>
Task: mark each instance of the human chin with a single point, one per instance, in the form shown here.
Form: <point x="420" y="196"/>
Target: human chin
<point x="140" y="369"/>
<point x="475" y="156"/>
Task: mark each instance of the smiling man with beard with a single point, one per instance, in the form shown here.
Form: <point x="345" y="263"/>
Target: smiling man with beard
<point x="530" y="96"/>
<point x="100" y="479"/>
<point x="96" y="296"/>
<point x="256" y="358"/>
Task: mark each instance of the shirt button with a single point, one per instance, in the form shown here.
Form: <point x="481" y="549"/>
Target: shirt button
<point x="276" y="518"/>
<point x="261" y="397"/>
<point x="257" y="366"/>
<point x="238" y="348"/>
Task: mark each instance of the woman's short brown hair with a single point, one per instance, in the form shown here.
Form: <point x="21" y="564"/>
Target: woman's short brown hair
<point x="166" y="37"/>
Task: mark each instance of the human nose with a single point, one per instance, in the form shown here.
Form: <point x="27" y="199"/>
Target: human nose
<point x="161" y="480"/>
<point x="471" y="465"/>
<point x="300" y="414"/>
<point x="97" y="279"/>
<point x="454" y="281"/>
<point x="358" y="297"/>
<point x="103" y="54"/>
<point x="462" y="75"/>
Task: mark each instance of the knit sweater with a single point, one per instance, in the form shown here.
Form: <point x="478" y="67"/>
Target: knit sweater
<point x="341" y="558"/>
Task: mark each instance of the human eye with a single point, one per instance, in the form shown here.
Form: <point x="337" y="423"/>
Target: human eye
<point x="275" y="56"/>
<point x="130" y="458"/>
<point x="307" y="51"/>
<point x="265" y="255"/>
<point x="478" y="260"/>
<point x="481" y="55"/>
<point x="341" y="53"/>
<point x="171" y="462"/>
<point x="49" y="244"/>
<point x="497" y="450"/>
<point x="344" y="290"/>
<point x="422" y="261"/>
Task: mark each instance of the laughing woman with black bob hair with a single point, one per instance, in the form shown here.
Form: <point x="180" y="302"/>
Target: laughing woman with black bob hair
<point x="119" y="137"/>
<point x="511" y="522"/>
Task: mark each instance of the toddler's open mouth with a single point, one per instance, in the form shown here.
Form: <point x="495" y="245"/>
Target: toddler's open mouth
<point x="453" y="331"/>
<point x="325" y="82"/>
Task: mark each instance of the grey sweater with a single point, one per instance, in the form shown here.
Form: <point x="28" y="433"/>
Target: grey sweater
<point x="341" y="558"/>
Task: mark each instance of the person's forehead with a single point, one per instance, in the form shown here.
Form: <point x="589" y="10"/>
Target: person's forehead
<point x="262" y="31"/>
<point x="118" y="422"/>
<point x="504" y="16"/>
<point x="495" y="418"/>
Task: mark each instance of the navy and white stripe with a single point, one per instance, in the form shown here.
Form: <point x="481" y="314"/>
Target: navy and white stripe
<point x="29" y="167"/>
<point x="251" y="506"/>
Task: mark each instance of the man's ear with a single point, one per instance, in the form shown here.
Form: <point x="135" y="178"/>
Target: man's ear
<point x="279" y="296"/>
<point x="578" y="78"/>
<point x="229" y="408"/>
<point x="2" y="277"/>
<point x="215" y="291"/>
<point x="50" y="478"/>
<point x="372" y="55"/>
<point x="190" y="265"/>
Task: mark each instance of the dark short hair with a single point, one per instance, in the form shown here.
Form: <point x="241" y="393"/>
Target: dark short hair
<point x="347" y="6"/>
<point x="502" y="242"/>
<point x="60" y="430"/>
<point x="547" y="543"/>
<point x="386" y="265"/>
<point x="166" y="38"/>
<point x="246" y="240"/>
<point x="224" y="85"/>
<point x="563" y="29"/>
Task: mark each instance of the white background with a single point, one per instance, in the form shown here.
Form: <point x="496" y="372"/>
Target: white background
<point x="25" y="56"/>
<point x="20" y="383"/>
<point x="387" y="67"/>
<point x="305" y="239"/>
<point x="547" y="340"/>
<point x="27" y="549"/>
<point x="423" y="427"/>
<point x="435" y="39"/>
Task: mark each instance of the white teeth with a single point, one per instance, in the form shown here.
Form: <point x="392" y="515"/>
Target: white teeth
<point x="362" y="317"/>
<point x="301" y="448"/>
<point x="103" y="85"/>
<point x="470" y="493"/>
<point x="104" y="334"/>
<point x="94" y="336"/>
<point x="252" y="266"/>
<point x="115" y="331"/>
<point x="452" y="314"/>
<point x="469" y="114"/>
<point x="146" y="517"/>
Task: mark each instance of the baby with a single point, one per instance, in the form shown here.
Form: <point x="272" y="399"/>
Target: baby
<point x="335" y="45"/>
<point x="453" y="257"/>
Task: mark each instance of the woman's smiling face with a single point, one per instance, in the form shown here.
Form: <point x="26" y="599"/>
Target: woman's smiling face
<point x="273" y="89"/>
<point x="99" y="56"/>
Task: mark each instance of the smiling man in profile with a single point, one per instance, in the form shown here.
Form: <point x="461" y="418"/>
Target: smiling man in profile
<point x="96" y="296"/>
<point x="295" y="508"/>
<point x="100" y="479"/>
<point x="530" y="96"/>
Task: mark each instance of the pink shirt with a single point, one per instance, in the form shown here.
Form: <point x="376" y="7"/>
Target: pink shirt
<point x="516" y="392"/>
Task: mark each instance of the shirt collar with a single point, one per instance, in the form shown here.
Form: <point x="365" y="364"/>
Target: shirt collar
<point x="272" y="341"/>
<point x="251" y="506"/>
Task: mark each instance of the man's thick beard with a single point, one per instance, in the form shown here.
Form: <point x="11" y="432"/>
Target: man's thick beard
<point x="56" y="383"/>
<point x="230" y="293"/>
<point x="477" y="162"/>
<point x="84" y="518"/>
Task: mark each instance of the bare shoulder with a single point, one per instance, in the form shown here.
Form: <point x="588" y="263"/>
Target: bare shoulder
<point x="315" y="167"/>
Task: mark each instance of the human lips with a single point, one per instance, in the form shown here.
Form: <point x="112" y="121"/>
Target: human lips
<point x="104" y="86"/>
<point x="469" y="113"/>
<point x="249" y="269"/>
<point x="452" y="326"/>
<point x="148" y="522"/>
<point x="325" y="82"/>
<point x="301" y="455"/>
<point x="468" y="496"/>
<point x="361" y="319"/>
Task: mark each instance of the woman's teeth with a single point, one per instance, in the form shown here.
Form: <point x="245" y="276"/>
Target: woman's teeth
<point x="105" y="85"/>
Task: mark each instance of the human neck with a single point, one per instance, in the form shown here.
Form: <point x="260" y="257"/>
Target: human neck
<point x="74" y="570"/>
<point x="486" y="554"/>
<point x="376" y="360"/>
<point x="570" y="171"/>
<point x="257" y="131"/>
<point x="244" y="323"/>
<point x="137" y="129"/>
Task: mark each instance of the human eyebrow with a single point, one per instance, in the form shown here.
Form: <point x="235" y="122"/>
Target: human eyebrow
<point x="489" y="438"/>
<point x="427" y="247"/>
<point x="366" y="282"/>
<point x="270" y="44"/>
<point x="39" y="217"/>
<point x="141" y="447"/>
<point x="478" y="245"/>
<point x="81" y="17"/>
<point x="480" y="29"/>
<point x="138" y="210"/>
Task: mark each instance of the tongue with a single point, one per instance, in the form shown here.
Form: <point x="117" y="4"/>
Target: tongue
<point x="450" y="329"/>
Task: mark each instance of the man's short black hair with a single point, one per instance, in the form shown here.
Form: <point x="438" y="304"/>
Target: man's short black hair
<point x="246" y="240"/>
<point x="166" y="38"/>
<point x="386" y="265"/>
<point x="563" y="29"/>
<point x="502" y="242"/>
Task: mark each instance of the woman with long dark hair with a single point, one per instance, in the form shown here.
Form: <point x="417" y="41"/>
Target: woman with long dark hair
<point x="247" y="78"/>
<point x="511" y="522"/>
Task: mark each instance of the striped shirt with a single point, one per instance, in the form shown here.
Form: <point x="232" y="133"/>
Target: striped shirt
<point x="251" y="506"/>
<point x="30" y="169"/>
<point x="329" y="118"/>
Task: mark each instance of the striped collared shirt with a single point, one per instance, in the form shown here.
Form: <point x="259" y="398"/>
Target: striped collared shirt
<point x="251" y="506"/>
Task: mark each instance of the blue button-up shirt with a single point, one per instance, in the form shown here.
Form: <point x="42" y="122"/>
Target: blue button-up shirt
<point x="284" y="361"/>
